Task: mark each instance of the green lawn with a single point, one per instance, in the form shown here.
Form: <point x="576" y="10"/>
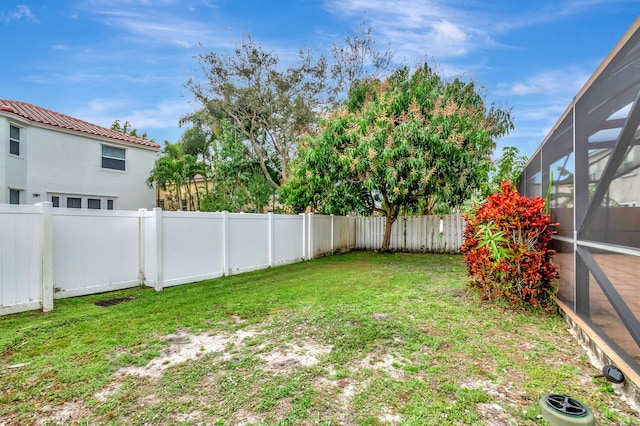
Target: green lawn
<point x="360" y="338"/>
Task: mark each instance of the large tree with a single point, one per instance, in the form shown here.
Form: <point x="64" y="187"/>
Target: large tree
<point x="271" y="106"/>
<point x="396" y="143"/>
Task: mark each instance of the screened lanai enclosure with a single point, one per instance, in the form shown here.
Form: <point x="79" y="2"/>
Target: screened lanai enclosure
<point x="588" y="168"/>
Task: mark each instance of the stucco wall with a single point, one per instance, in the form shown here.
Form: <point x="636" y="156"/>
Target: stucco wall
<point x="4" y="153"/>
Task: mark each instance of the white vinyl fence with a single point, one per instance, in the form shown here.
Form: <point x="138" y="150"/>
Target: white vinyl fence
<point x="48" y="253"/>
<point x="94" y="251"/>
<point x="21" y="263"/>
<point x="412" y="233"/>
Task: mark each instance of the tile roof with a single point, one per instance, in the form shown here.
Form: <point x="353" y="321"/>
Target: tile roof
<point x="40" y="115"/>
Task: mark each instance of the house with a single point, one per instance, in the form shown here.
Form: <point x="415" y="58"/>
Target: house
<point x="48" y="156"/>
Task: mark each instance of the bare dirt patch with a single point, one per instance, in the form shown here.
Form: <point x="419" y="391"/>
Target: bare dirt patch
<point x="244" y="417"/>
<point x="109" y="390"/>
<point x="295" y="356"/>
<point x="494" y="414"/>
<point x="389" y="417"/>
<point x="506" y="394"/>
<point x="186" y="346"/>
<point x="386" y="362"/>
<point x="62" y="414"/>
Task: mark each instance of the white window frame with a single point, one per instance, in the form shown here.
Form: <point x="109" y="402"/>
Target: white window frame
<point x="104" y="157"/>
<point x="18" y="141"/>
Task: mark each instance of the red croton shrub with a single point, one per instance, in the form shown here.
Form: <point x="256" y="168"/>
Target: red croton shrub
<point x="506" y="249"/>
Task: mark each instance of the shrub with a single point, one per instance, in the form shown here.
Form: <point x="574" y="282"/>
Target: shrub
<point x="506" y="249"/>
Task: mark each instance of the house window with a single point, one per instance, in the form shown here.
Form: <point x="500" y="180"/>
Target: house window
<point x="113" y="158"/>
<point x="14" y="196"/>
<point x="74" y="202"/>
<point x="93" y="203"/>
<point x="55" y="200"/>
<point x="109" y="204"/>
<point x="14" y="140"/>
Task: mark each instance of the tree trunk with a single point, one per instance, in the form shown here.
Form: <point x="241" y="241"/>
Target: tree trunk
<point x="189" y="197"/>
<point x="179" y="195"/>
<point x="387" y="232"/>
<point x="197" y="195"/>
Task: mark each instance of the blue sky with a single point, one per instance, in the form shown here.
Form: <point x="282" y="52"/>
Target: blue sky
<point x="102" y="60"/>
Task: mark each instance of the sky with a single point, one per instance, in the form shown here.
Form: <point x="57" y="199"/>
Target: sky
<point x="129" y="60"/>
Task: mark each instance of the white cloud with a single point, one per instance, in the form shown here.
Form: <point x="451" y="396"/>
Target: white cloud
<point x="162" y="115"/>
<point x="545" y="112"/>
<point x="420" y="27"/>
<point x="168" y="23"/>
<point x="548" y="82"/>
<point x="159" y="120"/>
<point x="445" y="29"/>
<point x="20" y="12"/>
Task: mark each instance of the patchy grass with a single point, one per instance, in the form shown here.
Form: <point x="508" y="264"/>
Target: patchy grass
<point x="359" y="338"/>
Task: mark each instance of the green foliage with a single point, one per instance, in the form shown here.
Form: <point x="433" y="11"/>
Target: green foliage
<point x="238" y="182"/>
<point x="607" y="387"/>
<point x="174" y="169"/>
<point x="493" y="240"/>
<point x="411" y="140"/>
<point x="269" y="106"/>
<point x="507" y="251"/>
<point x="508" y="167"/>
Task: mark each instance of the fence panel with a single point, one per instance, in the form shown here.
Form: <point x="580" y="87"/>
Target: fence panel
<point x="397" y="234"/>
<point x="248" y="242"/>
<point x="412" y="233"/>
<point x="321" y="238"/>
<point x="342" y="233"/>
<point x="94" y="251"/>
<point x="20" y="258"/>
<point x="374" y="229"/>
<point x="453" y="229"/>
<point x="361" y="234"/>
<point x="192" y="247"/>
<point x="287" y="238"/>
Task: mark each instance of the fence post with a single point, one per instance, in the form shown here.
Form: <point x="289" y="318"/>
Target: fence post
<point x="304" y="234"/>
<point x="332" y="228"/>
<point x="158" y="283"/>
<point x="348" y="233"/>
<point x="225" y="243"/>
<point x="270" y="217"/>
<point x="310" y="240"/>
<point x="141" y="243"/>
<point x="46" y="239"/>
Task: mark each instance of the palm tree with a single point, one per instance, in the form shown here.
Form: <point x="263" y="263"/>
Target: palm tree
<point x="175" y="168"/>
<point x="168" y="171"/>
<point x="190" y="169"/>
